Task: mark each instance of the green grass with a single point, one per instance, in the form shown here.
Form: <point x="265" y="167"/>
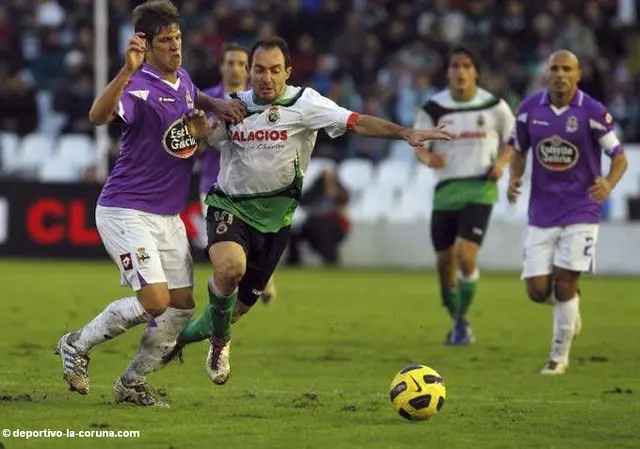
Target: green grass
<point x="313" y="369"/>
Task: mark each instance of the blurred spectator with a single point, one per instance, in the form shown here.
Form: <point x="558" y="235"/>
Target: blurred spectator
<point x="388" y="51"/>
<point x="326" y="223"/>
<point x="18" y="109"/>
<point x="73" y="98"/>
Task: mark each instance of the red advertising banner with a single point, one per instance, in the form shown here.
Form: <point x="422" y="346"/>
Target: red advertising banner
<point x="57" y="220"/>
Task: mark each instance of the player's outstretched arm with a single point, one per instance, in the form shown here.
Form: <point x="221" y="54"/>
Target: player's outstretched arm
<point x="103" y="108"/>
<point x="370" y="126"/>
<point x="232" y="111"/>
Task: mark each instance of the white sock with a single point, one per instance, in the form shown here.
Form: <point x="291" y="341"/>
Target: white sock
<point x="116" y="318"/>
<point x="159" y="337"/>
<point x="565" y="315"/>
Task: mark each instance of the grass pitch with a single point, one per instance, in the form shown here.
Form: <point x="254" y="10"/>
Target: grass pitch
<point x="312" y="370"/>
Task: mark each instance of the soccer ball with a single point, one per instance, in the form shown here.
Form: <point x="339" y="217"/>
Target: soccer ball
<point x="417" y="392"/>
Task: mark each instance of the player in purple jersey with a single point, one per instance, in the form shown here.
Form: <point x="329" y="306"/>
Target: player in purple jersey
<point x="567" y="131"/>
<point x="161" y="113"/>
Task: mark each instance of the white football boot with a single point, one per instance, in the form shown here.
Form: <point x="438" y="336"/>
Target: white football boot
<point x="217" y="364"/>
<point x="552" y="368"/>
<point x="138" y="394"/>
<point x="75" y="364"/>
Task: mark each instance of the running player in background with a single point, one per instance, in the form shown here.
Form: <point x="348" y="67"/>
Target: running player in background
<point x="263" y="161"/>
<point x="467" y="169"/>
<point x="234" y="71"/>
<point x="137" y="214"/>
<point x="567" y="130"/>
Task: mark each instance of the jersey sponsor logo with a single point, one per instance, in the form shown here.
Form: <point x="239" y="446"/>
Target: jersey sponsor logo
<point x="556" y="154"/>
<point x="166" y="99"/>
<point x="178" y="142"/>
<point x="572" y="124"/>
<point x="260" y="135"/>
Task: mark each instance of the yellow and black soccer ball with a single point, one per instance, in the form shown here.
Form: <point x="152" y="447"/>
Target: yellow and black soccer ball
<point x="417" y="392"/>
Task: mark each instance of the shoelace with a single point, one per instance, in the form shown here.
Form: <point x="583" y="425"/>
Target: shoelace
<point x="217" y="346"/>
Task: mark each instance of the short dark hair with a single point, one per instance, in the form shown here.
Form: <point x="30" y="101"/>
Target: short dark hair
<point x="460" y="49"/>
<point x="232" y="46"/>
<point x="150" y="17"/>
<point x="270" y="43"/>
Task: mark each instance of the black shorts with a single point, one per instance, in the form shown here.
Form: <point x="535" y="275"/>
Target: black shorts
<point x="263" y="249"/>
<point x="469" y="223"/>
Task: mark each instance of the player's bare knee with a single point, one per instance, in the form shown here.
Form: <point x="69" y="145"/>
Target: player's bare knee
<point x="565" y="284"/>
<point x="446" y="260"/>
<point x="538" y="291"/>
<point x="154" y="299"/>
<point x="467" y="265"/>
<point x="565" y="289"/>
<point x="466" y="255"/>
<point x="228" y="272"/>
<point x="182" y="298"/>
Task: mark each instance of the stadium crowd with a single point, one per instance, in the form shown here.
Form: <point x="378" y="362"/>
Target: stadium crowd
<point x="377" y="56"/>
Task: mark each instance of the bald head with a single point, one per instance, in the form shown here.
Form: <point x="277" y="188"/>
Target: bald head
<point x="564" y="57"/>
<point x="563" y="74"/>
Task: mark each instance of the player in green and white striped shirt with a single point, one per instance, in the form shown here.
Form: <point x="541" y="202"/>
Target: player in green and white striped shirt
<point x="467" y="169"/>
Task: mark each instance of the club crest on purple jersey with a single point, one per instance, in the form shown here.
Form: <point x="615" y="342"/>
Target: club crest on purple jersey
<point x="572" y="124"/>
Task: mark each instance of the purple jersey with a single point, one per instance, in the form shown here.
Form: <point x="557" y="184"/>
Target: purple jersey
<point x="153" y="170"/>
<point x="211" y="156"/>
<point x="567" y="146"/>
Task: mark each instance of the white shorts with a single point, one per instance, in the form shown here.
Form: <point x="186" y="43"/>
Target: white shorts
<point x="571" y="247"/>
<point x="147" y="248"/>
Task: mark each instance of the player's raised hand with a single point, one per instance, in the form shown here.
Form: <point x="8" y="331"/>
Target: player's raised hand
<point x="197" y="124"/>
<point x="232" y="111"/>
<point x="417" y="137"/>
<point x="134" y="55"/>
<point x="600" y="189"/>
<point x="513" y="191"/>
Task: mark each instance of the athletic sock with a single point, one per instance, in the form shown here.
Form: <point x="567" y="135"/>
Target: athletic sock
<point x="221" y="311"/>
<point x="450" y="299"/>
<point x="198" y="328"/>
<point x="467" y="287"/>
<point x="114" y="320"/>
<point x="158" y="340"/>
<point x="565" y="315"/>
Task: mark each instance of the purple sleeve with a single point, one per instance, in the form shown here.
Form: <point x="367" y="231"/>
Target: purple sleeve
<point x="602" y="129"/>
<point x="126" y="110"/>
<point x="521" y="140"/>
